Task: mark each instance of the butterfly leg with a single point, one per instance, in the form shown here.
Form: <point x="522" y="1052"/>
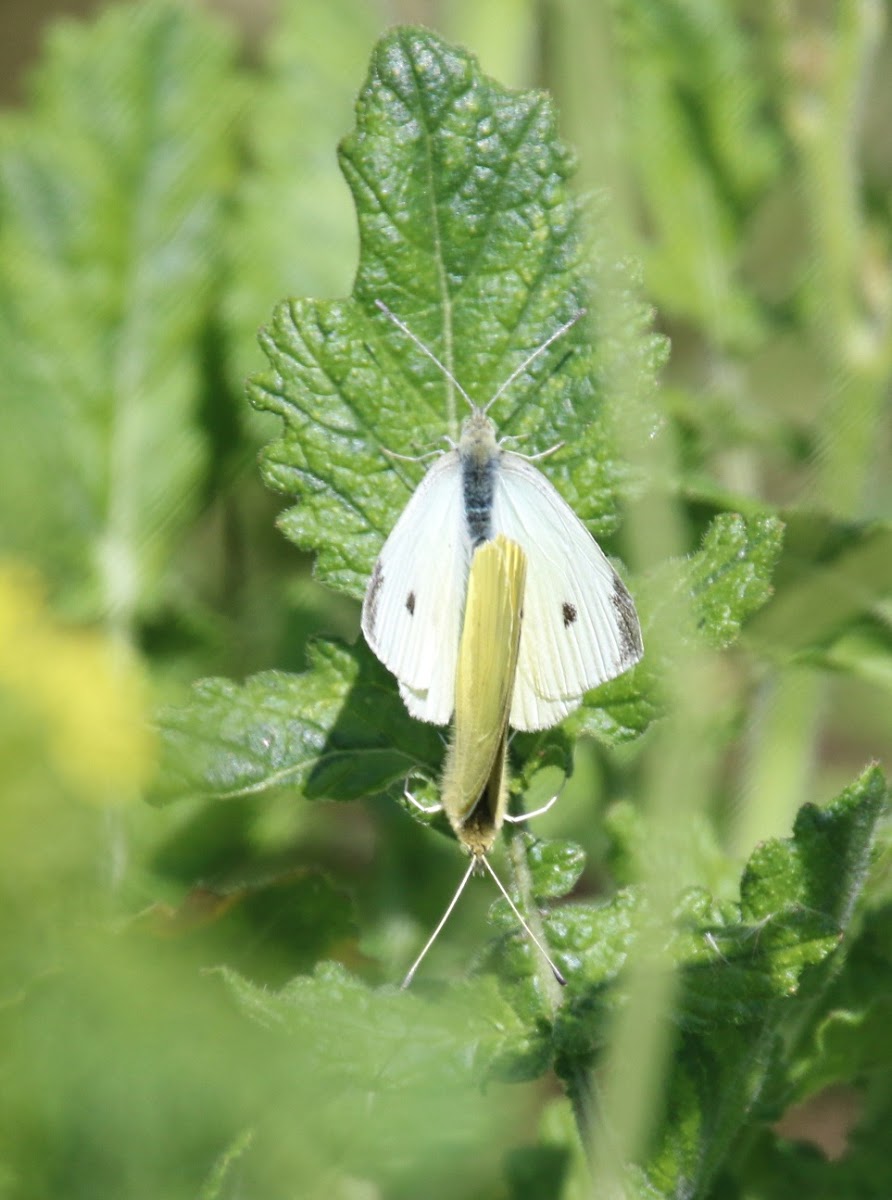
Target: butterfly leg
<point x="411" y="458"/>
<point x="521" y="437"/>
<point x="429" y="810"/>
<point x="528" y="816"/>
<point x="544" y="453"/>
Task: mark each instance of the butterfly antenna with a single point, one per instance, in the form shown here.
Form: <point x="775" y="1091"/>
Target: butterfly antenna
<point x="445" y="917"/>
<point x="391" y="316"/>
<point x="532" y="357"/>
<point x="558" y="976"/>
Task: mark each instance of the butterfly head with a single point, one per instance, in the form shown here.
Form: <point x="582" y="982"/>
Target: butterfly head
<point x="478" y="442"/>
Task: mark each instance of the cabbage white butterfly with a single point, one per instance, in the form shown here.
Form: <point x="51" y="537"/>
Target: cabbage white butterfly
<point x="474" y="788"/>
<point x="580" y="626"/>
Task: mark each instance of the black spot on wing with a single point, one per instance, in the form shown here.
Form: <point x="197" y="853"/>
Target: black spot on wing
<point x="410" y="604"/>
<point x="627" y="622"/>
<point x="569" y="613"/>
<point x="371" y="597"/>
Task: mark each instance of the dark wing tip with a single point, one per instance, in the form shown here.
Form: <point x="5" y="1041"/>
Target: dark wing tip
<point x="370" y="603"/>
<point x="631" y="645"/>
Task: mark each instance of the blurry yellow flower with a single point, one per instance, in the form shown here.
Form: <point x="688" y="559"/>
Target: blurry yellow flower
<point x="81" y="694"/>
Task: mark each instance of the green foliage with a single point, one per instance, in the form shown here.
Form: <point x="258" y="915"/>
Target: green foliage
<point x="845" y="573"/>
<point x="394" y="1065"/>
<point x="336" y="731"/>
<point x="724" y="584"/>
<point x="702" y="149"/>
<point x="111" y="199"/>
<point x="199" y="994"/>
<point x="754" y="977"/>
<point x="729" y="581"/>
<point x="311" y="68"/>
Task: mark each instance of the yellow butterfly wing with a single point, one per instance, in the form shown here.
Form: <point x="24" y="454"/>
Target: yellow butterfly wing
<point x="475" y="786"/>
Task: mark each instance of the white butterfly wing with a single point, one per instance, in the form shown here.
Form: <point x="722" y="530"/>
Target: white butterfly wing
<point x="412" y="612"/>
<point x="580" y="627"/>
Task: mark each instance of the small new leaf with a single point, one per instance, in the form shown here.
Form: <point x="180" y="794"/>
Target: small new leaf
<point x="730" y="576"/>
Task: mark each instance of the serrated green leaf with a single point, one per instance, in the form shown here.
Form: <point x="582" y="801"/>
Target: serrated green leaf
<point x="736" y="969"/>
<point x="730" y="577"/>
<point x="336" y="732"/>
<point x="397" y="1018"/>
<point x="111" y="193"/>
<point x="589" y="942"/>
<point x="622" y="709"/>
<point x="711" y="1094"/>
<point x="789" y="891"/>
<point x="469" y="233"/>
<point x="727" y="580"/>
<point x="403" y="1073"/>
<point x="555" y="866"/>
<point x="796" y="900"/>
<point x="446" y="169"/>
<point x="746" y="971"/>
<point x="824" y="865"/>
<point x="852" y="1041"/>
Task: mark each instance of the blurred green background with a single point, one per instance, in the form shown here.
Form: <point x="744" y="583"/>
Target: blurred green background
<point x="144" y="238"/>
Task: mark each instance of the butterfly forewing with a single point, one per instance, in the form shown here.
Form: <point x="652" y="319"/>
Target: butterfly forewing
<point x="411" y="616"/>
<point x="580" y="627"/>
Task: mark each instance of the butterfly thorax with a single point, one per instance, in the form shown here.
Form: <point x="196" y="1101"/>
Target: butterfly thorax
<point x="479" y="452"/>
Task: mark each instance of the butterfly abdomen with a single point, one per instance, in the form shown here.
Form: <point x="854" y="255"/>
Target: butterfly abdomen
<point x="479" y="453"/>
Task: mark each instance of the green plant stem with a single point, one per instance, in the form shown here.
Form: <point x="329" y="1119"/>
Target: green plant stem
<point x="740" y="1095"/>
<point x="779" y="770"/>
<point x="522" y="879"/>
<point x="679" y="768"/>
<point x="853" y="342"/>
<point x="855" y="348"/>
<point x="639" y="1046"/>
<point x="586" y="1102"/>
